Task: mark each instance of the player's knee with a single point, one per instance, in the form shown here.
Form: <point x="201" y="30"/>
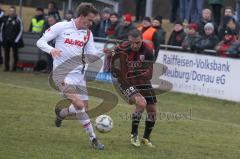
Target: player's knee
<point x="78" y="103"/>
<point x="141" y="103"/>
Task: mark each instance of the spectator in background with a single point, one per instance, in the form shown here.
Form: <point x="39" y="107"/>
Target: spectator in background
<point x="53" y="10"/>
<point x="104" y="23"/>
<point x="96" y="24"/>
<point x="228" y="11"/>
<point x="50" y="22"/>
<point x="196" y="10"/>
<point x="114" y="22"/>
<point x="37" y="22"/>
<point x="68" y="15"/>
<point x="207" y="41"/>
<point x="1" y="20"/>
<point x="157" y="24"/>
<point x="111" y="33"/>
<point x="123" y="29"/>
<point x="206" y="18"/>
<point x="150" y="35"/>
<point x="175" y="5"/>
<point x="228" y="22"/>
<point x="192" y="35"/>
<point x="177" y="36"/>
<point x="216" y="8"/>
<point x="224" y="47"/>
<point x="12" y="29"/>
<point x="185" y="8"/>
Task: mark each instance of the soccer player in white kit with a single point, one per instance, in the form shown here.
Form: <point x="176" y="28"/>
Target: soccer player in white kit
<point x="73" y="39"/>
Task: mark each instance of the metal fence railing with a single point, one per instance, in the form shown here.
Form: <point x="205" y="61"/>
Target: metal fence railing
<point x="31" y="54"/>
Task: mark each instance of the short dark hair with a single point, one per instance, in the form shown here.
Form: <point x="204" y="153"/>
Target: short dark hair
<point x="39" y="9"/>
<point x="147" y="19"/>
<point x="114" y="13"/>
<point x="53" y="3"/>
<point x="51" y="16"/>
<point x="13" y="7"/>
<point x="158" y="18"/>
<point x="134" y="33"/>
<point x="86" y="8"/>
<point x="229" y="7"/>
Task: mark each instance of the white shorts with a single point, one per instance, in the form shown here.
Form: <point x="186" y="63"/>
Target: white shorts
<point x="73" y="83"/>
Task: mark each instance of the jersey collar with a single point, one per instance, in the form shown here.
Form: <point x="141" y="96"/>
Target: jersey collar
<point x="74" y="25"/>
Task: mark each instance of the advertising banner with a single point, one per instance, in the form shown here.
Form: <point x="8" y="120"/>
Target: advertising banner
<point x="203" y="75"/>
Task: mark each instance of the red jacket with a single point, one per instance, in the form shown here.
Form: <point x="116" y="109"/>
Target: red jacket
<point x="223" y="47"/>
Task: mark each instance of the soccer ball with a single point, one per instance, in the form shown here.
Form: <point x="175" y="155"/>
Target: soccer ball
<point x="104" y="123"/>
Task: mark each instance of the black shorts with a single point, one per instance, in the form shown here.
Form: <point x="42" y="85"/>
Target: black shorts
<point x="148" y="93"/>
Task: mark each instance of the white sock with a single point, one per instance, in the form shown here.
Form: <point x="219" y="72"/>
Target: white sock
<point x="82" y="116"/>
<point x="71" y="109"/>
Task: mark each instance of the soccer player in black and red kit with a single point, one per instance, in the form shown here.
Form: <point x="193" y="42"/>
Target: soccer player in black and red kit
<point x="131" y="68"/>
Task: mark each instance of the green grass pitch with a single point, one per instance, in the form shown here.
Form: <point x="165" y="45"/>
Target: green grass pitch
<point x="27" y="130"/>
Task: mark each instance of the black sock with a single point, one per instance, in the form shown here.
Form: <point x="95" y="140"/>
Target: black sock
<point x="149" y="124"/>
<point x="136" y="117"/>
<point x="148" y="128"/>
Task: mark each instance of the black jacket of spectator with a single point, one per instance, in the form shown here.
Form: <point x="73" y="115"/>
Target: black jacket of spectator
<point x="222" y="29"/>
<point x="95" y="28"/>
<point x="12" y="29"/>
<point x="103" y="26"/>
<point x="205" y="42"/>
<point x="123" y="30"/>
<point x="1" y="16"/>
<point x="176" y="38"/>
<point x="201" y="25"/>
<point x="190" y="41"/>
<point x="161" y="34"/>
<point x="1" y="19"/>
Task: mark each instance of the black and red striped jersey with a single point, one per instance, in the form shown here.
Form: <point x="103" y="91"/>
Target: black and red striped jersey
<point x="132" y="68"/>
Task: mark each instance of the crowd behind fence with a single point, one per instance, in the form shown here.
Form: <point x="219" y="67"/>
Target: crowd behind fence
<point x="211" y="33"/>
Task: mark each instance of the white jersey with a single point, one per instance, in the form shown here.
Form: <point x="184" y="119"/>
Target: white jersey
<point x="69" y="40"/>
